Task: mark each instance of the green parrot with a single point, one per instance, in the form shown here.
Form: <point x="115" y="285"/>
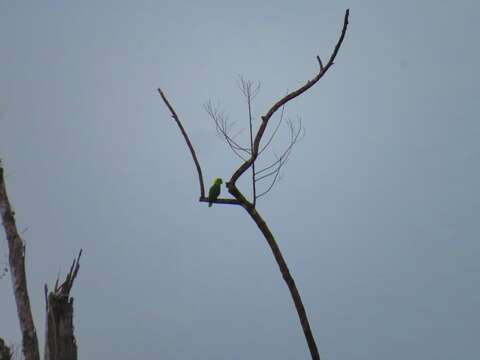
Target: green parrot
<point x="214" y="191"/>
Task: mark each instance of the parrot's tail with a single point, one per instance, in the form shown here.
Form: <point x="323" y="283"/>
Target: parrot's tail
<point x="209" y="204"/>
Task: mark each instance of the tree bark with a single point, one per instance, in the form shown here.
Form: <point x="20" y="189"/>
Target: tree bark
<point x="5" y="352"/>
<point x="60" y="343"/>
<point x="16" y="259"/>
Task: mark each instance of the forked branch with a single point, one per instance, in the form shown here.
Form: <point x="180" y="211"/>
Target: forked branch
<point x="194" y="155"/>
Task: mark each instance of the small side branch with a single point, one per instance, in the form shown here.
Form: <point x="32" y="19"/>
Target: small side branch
<point x="275" y="168"/>
<point x="189" y="143"/>
<point x="320" y="63"/>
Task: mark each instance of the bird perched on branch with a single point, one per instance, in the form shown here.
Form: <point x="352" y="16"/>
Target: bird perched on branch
<point x="214" y="191"/>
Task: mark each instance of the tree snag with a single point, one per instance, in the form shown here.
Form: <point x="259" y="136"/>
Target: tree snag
<point x="60" y="343"/>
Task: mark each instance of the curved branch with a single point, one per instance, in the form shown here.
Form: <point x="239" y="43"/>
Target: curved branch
<point x="190" y="146"/>
<point x="323" y="69"/>
<point x="277" y="173"/>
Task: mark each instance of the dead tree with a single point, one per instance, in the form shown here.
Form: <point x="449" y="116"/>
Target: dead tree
<point x="59" y="341"/>
<point x="250" y="156"/>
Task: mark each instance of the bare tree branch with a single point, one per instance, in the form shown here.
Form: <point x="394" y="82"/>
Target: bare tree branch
<point x="274" y="132"/>
<point x="223" y="129"/>
<point x="189" y="144"/>
<point x="250" y="92"/>
<point x="320" y="62"/>
<point x="295" y="136"/>
<point x="248" y="88"/>
<point x="287" y="98"/>
<point x="276" y="172"/>
<point x="175" y="117"/>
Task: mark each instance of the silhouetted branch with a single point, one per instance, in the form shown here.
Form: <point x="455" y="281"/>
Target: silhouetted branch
<point x="189" y="144"/>
<point x="295" y="136"/>
<point x="320" y="62"/>
<point x="250" y="92"/>
<point x="175" y="117"/>
<point x="276" y="173"/>
<point x="292" y="95"/>
<point x="274" y="132"/>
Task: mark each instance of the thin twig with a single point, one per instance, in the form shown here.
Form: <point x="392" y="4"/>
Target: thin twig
<point x="223" y="129"/>
<point x="295" y="136"/>
<point x="246" y="87"/>
<point x="320" y="62"/>
<point x="272" y="183"/>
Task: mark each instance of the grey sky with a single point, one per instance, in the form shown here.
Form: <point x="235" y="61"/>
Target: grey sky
<point x="376" y="212"/>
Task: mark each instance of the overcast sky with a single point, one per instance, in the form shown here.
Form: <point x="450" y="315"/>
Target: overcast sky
<point x="377" y="211"/>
